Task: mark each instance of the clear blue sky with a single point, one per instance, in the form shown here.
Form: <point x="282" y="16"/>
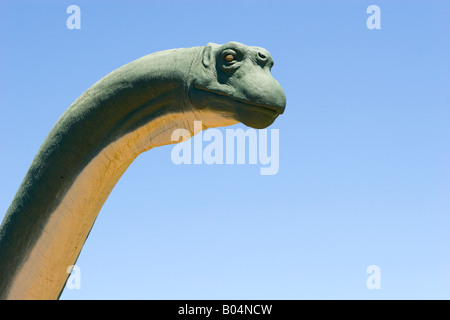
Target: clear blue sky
<point x="364" y="175"/>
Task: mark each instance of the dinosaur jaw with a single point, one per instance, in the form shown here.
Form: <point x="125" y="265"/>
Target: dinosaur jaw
<point x="252" y="114"/>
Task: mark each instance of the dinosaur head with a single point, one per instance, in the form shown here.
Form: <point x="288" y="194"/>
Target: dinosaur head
<point x="235" y="80"/>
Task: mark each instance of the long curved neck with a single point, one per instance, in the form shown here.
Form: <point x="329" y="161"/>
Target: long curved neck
<point x="133" y="109"/>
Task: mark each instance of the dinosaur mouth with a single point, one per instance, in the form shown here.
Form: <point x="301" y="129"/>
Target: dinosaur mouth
<point x="269" y="109"/>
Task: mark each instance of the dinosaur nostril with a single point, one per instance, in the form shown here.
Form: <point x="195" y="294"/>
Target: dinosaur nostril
<point x="262" y="56"/>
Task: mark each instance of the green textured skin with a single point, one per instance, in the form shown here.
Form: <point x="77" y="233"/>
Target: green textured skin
<point x="178" y="80"/>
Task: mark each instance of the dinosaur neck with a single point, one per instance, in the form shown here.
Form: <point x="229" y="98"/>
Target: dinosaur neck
<point x="61" y="238"/>
<point x="130" y="111"/>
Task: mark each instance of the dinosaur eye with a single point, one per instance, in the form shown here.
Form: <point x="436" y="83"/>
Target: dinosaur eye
<point x="230" y="60"/>
<point x="229" y="57"/>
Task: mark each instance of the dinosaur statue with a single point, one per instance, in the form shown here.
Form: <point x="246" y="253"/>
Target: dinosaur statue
<point x="129" y="111"/>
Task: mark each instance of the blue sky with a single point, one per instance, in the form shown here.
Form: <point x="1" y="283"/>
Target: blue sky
<point x="364" y="175"/>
